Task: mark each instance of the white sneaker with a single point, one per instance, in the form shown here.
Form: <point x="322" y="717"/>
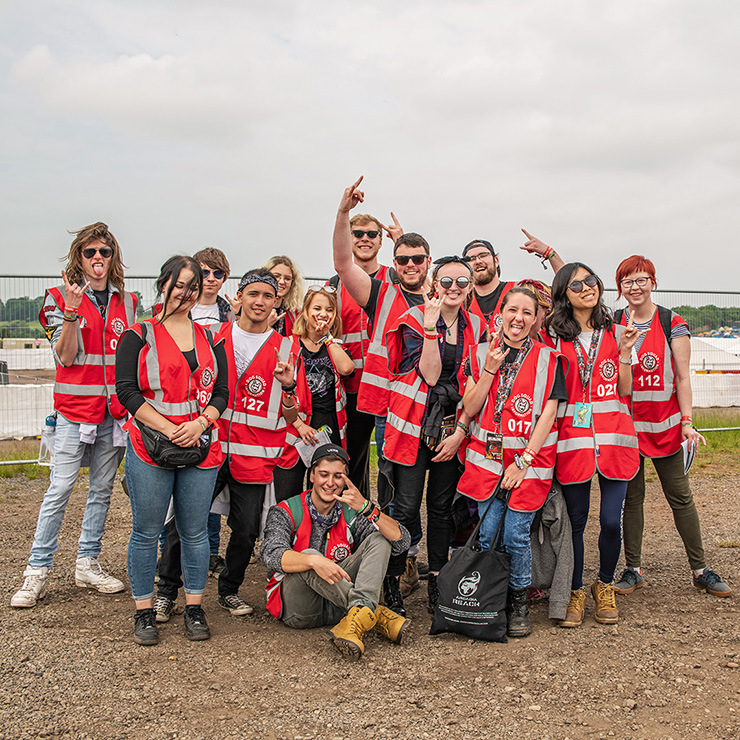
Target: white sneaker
<point x="89" y="574"/>
<point x="33" y="588"/>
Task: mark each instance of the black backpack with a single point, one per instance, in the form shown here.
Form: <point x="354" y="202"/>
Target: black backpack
<point x="665" y="315"/>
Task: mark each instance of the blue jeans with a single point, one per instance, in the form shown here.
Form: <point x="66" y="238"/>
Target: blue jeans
<point x="214" y="533"/>
<point x="150" y="489"/>
<point x="515" y="538"/>
<point x="68" y="452"/>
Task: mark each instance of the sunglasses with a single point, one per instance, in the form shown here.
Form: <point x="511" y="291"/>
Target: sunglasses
<point x="359" y="233"/>
<point x="218" y="274"/>
<point x="462" y="282"/>
<point x="323" y="288"/>
<point x="89" y="252"/>
<point x="577" y="285"/>
<point x="417" y="259"/>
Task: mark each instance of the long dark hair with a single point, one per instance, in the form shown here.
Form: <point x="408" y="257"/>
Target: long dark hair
<point x="170" y="271"/>
<point x="83" y="238"/>
<point x="560" y="320"/>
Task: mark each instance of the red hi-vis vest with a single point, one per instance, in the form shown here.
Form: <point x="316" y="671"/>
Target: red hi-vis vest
<point x="252" y="428"/>
<point x="609" y="445"/>
<point x="305" y="408"/>
<point x="494" y="322"/>
<point x="372" y="398"/>
<point x="354" y="327"/>
<point x="408" y="391"/>
<point x="523" y="408"/>
<point x="84" y="389"/>
<point x="170" y="387"/>
<point x="338" y="544"/>
<point x="655" y="409"/>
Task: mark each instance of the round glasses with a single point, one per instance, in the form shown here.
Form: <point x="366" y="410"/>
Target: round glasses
<point x="461" y="282"/>
<point x="640" y="282"/>
<point x="577" y="285"/>
<point x="218" y="274"/>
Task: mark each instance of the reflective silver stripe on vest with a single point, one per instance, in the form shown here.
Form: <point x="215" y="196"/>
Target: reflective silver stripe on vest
<point x="654" y="427"/>
<point x="376" y="380"/>
<point x="612" y="406"/>
<point x="575" y="443"/>
<point x="404" y="426"/>
<point x="92" y="359"/>
<point x="483" y="462"/>
<point x="128" y="305"/>
<point x="271" y="423"/>
<point x="236" y="448"/>
<point x="353" y="337"/>
<point x="174" y="409"/>
<point x="412" y="391"/>
<point x="79" y="390"/>
<point x="358" y="363"/>
<point x="381" y="319"/>
<point x="538" y="398"/>
<point x="617" y="440"/>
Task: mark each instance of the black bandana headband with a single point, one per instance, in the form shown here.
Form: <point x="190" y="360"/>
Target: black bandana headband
<point x="250" y="278"/>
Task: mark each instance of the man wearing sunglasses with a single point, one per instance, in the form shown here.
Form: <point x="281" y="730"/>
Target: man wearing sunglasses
<point x="489" y="288"/>
<point x="83" y="320"/>
<point x="211" y="307"/>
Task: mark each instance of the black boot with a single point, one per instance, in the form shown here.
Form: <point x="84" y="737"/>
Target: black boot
<point x="393" y="596"/>
<point x="517" y="613"/>
<point x="433" y="592"/>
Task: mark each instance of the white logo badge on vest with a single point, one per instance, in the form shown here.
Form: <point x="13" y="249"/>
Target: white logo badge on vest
<point x="339" y="552"/>
<point x="649" y="361"/>
<point x="256" y="385"/>
<point x="521" y="404"/>
<point x="118" y="326"/>
<point x="468" y="585"/>
<point x="608" y="369"/>
<point x="206" y="378"/>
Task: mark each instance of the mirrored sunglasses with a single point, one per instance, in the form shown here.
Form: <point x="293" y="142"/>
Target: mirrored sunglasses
<point x="323" y="288"/>
<point x="218" y="274"/>
<point x="446" y="282"/>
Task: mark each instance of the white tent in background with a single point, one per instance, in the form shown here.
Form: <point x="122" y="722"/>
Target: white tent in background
<point x="705" y="355"/>
<point x="727" y="344"/>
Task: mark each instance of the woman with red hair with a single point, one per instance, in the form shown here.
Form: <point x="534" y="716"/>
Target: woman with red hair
<point x="661" y="408"/>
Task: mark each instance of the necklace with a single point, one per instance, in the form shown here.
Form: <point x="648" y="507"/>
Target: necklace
<point x="450" y="327"/>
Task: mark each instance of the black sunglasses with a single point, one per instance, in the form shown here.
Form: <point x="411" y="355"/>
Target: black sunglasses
<point x="417" y="259"/>
<point x="462" y="282"/>
<point x="359" y="233"/>
<point x="89" y="252"/>
<point x="218" y="274"/>
<point x="577" y="285"/>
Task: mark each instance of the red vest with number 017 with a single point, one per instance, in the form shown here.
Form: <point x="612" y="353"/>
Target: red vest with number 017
<point x="494" y="323"/>
<point x="252" y="428"/>
<point x="338" y="545"/>
<point x="529" y="394"/>
<point x="82" y="390"/>
<point x="655" y="409"/>
<point x="304" y="401"/>
<point x="408" y="391"/>
<point x="354" y="330"/>
<point x="372" y="398"/>
<point x="170" y="387"/>
<point x="609" y="444"/>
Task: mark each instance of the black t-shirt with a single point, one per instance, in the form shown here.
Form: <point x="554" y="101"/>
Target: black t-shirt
<point x="488" y="303"/>
<point x="412" y="299"/>
<point x="320" y="378"/>
<point x="101" y="296"/>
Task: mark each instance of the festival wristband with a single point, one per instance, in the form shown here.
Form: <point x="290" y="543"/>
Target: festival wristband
<point x="486" y="370"/>
<point x="363" y="507"/>
<point x="69" y="318"/>
<point x="431" y="336"/>
<point x="465" y="429"/>
<point x="289" y="388"/>
<point x="686" y="418"/>
<point x="202" y="425"/>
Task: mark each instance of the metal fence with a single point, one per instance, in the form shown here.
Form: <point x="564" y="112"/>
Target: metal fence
<point x="27" y="370"/>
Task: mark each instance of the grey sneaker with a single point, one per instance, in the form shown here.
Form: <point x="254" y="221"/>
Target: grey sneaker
<point x="235" y="604"/>
<point x="710" y="582"/>
<point x="629" y="581"/>
<point x="89" y="574"/>
<point x="33" y="588"/>
<point x="163" y="608"/>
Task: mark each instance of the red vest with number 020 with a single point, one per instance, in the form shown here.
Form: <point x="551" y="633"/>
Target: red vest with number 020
<point x="494" y="323"/>
<point x="252" y="428"/>
<point x="655" y="409"/>
<point x="372" y="398"/>
<point x="303" y="398"/>
<point x="609" y="445"/>
<point x="82" y="390"/>
<point x="523" y="408"/>
<point x="354" y="327"/>
<point x="408" y="391"/>
<point x="338" y="545"/>
<point x="170" y="387"/>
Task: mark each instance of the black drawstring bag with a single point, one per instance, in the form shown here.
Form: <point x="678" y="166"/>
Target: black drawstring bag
<point x="473" y="587"/>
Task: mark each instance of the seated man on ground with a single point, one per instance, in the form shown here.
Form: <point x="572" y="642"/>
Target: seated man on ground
<point x="327" y="551"/>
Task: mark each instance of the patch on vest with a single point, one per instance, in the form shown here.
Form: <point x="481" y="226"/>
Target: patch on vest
<point x="649" y="361"/>
<point x="256" y="385"/>
<point x="118" y="326"/>
<point x="339" y="552"/>
<point x="521" y="405"/>
<point x="206" y="378"/>
<point x="468" y="585"/>
<point x="608" y="369"/>
<point x="497" y="321"/>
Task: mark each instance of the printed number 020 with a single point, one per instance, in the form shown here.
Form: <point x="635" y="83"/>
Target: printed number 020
<point x="606" y="389"/>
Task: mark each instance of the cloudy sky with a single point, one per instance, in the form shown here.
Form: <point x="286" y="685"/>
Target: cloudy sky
<point x="606" y="129"/>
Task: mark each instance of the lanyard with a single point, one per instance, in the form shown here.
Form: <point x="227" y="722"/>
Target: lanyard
<point x="506" y="383"/>
<point x="586" y="365"/>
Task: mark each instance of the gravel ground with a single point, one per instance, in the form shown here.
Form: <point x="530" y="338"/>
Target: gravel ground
<point x="669" y="669"/>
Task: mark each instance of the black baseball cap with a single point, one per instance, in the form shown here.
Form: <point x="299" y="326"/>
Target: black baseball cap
<point x="330" y="450"/>
<point x="479" y="243"/>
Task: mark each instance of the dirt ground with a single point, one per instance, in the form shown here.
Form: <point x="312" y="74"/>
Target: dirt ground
<point x="669" y="669"/>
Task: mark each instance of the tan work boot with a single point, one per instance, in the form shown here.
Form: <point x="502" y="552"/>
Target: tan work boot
<point x="606" y="605"/>
<point x="576" y="609"/>
<point x="347" y="635"/>
<point x="391" y="625"/>
<point x="410" y="578"/>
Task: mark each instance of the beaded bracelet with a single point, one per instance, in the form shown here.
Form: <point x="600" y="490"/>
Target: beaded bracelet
<point x="466" y="429"/>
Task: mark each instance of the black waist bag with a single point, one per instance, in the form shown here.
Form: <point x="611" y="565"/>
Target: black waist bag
<point x="166" y="454"/>
<point x="472" y="589"/>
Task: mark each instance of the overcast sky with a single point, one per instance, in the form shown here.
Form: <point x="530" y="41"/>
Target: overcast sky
<point x="605" y="128"/>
